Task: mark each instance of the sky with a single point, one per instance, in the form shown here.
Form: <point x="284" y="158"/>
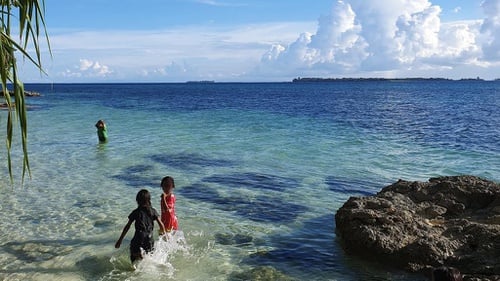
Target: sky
<point x="266" y="40"/>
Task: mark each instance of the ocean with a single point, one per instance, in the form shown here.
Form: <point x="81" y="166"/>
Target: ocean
<point x="260" y="170"/>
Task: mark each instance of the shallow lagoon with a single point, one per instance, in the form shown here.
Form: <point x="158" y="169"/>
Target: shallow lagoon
<point x="260" y="170"/>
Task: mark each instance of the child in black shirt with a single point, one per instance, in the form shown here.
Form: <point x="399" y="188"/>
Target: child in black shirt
<point x="144" y="217"/>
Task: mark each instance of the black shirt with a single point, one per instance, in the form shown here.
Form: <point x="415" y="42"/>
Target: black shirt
<point x="144" y="218"/>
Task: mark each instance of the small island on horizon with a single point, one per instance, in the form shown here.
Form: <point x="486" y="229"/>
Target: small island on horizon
<point x="346" y="79"/>
<point x="201" y="82"/>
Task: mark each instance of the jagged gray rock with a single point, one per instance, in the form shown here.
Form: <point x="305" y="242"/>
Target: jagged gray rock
<point x="453" y="221"/>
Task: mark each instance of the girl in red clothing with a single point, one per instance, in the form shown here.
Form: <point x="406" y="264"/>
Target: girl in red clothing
<point x="168" y="217"/>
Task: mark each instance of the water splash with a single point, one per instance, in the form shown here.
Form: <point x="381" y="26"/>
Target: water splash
<point x="156" y="265"/>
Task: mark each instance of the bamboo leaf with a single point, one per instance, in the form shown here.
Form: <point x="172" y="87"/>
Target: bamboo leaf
<point x="31" y="25"/>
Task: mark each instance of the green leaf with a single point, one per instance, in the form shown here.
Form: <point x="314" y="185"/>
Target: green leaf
<point x="30" y="15"/>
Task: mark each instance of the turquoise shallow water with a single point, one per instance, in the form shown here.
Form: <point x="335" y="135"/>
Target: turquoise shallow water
<point x="260" y="170"/>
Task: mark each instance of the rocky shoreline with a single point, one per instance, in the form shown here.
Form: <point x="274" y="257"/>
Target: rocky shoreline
<point x="4" y="105"/>
<point x="26" y="93"/>
<point x="451" y="221"/>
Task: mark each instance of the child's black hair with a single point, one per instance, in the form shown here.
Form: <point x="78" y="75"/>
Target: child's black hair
<point x="168" y="179"/>
<point x="143" y="199"/>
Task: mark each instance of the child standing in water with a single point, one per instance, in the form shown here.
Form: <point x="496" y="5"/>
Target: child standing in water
<point x="144" y="217"/>
<point x="102" y="132"/>
<point x="168" y="217"/>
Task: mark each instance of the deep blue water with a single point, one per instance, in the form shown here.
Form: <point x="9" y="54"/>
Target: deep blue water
<point x="260" y="170"/>
<point x="453" y="114"/>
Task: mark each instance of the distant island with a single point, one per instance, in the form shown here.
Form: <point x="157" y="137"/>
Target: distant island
<point x="201" y="82"/>
<point x="314" y="79"/>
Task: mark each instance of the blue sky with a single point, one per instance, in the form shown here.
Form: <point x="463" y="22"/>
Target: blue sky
<point x="263" y="40"/>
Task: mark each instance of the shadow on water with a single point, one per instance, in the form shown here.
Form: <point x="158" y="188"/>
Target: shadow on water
<point x="38" y="250"/>
<point x="134" y="176"/>
<point x="86" y="203"/>
<point x="93" y="267"/>
<point x="189" y="161"/>
<point x="33" y="252"/>
<point x="351" y="186"/>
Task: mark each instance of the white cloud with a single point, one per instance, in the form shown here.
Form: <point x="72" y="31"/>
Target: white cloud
<point x="338" y="38"/>
<point x="359" y="36"/>
<point x="173" y="69"/>
<point x="85" y="64"/>
<point x="491" y="28"/>
<point x="209" y="52"/>
<point x="87" y="69"/>
<point x="417" y="34"/>
<point x="354" y="38"/>
<point x="457" y="45"/>
<point x="337" y="44"/>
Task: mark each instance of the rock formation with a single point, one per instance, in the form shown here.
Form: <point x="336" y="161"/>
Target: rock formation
<point x="26" y="93"/>
<point x="452" y="221"/>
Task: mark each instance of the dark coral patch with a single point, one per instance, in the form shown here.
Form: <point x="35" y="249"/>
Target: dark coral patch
<point x="262" y="209"/>
<point x="350" y="186"/>
<point x="253" y="180"/>
<point x="270" y="209"/>
<point x="189" y="161"/>
<point x="199" y="192"/>
<point x="134" y="176"/>
<point x="312" y="247"/>
<point x="233" y="239"/>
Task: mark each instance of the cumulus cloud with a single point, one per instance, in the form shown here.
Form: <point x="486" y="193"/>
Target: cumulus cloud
<point x="491" y="28"/>
<point x="174" y="54"/>
<point x="416" y="34"/>
<point x="336" y="44"/>
<point x="174" y="69"/>
<point x="92" y="68"/>
<point x="388" y="35"/>
<point x="89" y="69"/>
<point x="338" y="39"/>
<point x="355" y="38"/>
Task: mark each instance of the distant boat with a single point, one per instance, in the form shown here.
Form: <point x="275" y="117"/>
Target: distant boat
<point x="201" y="82"/>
